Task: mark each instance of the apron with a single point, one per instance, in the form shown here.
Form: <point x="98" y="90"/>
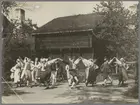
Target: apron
<point x="122" y="73"/>
<point x="27" y="72"/>
<point x="92" y="74"/>
<point x="106" y="70"/>
<point x="17" y="73"/>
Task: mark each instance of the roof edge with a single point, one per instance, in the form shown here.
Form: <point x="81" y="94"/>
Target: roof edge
<point x="62" y="32"/>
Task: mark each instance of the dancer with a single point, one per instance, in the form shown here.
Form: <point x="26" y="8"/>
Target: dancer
<point x="27" y="72"/>
<point x="122" y="71"/>
<point x="73" y="71"/>
<point x="105" y="69"/>
<point x="16" y="72"/>
<point x="93" y="72"/>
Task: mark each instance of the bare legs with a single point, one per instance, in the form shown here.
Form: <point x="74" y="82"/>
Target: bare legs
<point x="53" y="76"/>
<point x="74" y="81"/>
<point x="105" y="81"/>
<point x="87" y="73"/>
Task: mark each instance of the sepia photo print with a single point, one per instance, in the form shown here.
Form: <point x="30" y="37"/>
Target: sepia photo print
<point x="70" y="52"/>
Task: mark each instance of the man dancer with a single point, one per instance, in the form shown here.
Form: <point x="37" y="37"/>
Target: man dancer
<point x="27" y="72"/>
<point x="73" y="71"/>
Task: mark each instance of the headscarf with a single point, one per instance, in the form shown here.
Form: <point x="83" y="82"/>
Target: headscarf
<point x="122" y="60"/>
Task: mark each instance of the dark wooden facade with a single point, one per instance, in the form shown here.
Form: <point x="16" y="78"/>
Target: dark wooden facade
<point x="76" y="44"/>
<point x="67" y="40"/>
<point x="70" y="36"/>
<point x="64" y="44"/>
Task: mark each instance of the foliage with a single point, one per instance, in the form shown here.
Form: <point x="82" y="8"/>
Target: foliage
<point x="7" y="5"/>
<point x="115" y="26"/>
<point x="132" y="92"/>
<point x="18" y="42"/>
<point x="17" y="39"/>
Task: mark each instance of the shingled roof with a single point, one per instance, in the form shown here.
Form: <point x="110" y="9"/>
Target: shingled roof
<point x="70" y="23"/>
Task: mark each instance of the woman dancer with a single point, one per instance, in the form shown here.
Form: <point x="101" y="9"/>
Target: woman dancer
<point x="16" y="72"/>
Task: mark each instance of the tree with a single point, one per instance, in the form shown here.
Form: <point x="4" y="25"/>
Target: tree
<point x="17" y="39"/>
<point x="6" y="6"/>
<point x="19" y="42"/>
<point x="116" y="27"/>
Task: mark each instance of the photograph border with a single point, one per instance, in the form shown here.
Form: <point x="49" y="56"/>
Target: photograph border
<point x="1" y="43"/>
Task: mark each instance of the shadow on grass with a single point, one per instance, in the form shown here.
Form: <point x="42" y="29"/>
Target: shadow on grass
<point x="132" y="92"/>
<point x="11" y="92"/>
<point x="48" y="88"/>
<point x="84" y="94"/>
<point x="107" y="101"/>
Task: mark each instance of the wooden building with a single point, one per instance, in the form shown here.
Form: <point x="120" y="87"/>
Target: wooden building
<point x="70" y="36"/>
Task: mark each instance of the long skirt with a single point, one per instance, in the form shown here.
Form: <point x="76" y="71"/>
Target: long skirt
<point x="92" y="76"/>
<point x="45" y="77"/>
<point x="106" y="71"/>
<point x="73" y="72"/>
<point x="35" y="74"/>
<point x="123" y="76"/>
<point x="17" y="76"/>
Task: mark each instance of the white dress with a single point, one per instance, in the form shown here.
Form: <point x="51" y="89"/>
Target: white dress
<point x="17" y="72"/>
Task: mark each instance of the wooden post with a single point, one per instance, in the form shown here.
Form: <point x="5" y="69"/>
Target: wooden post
<point x="93" y="53"/>
<point x="60" y="52"/>
<point x="51" y="54"/>
<point x="80" y="52"/>
<point x="71" y="52"/>
<point x="117" y="55"/>
<point x="116" y="69"/>
<point x="91" y="44"/>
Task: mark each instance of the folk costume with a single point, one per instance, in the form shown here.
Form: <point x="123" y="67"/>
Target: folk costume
<point x="106" y="71"/>
<point x="16" y="72"/>
<point x="93" y="72"/>
<point x="122" y="71"/>
<point x="27" y="72"/>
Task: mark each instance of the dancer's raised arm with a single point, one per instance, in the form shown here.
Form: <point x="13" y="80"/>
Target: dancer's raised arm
<point x="21" y="60"/>
<point x="86" y="62"/>
<point x="111" y="60"/>
<point x="53" y="60"/>
<point x="118" y="61"/>
<point x="23" y="72"/>
<point x="77" y="61"/>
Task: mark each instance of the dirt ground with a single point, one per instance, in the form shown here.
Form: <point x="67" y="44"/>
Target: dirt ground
<point x="62" y="94"/>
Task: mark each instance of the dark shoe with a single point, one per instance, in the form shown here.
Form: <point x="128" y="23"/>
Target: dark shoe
<point x="77" y="82"/>
<point x="111" y="83"/>
<point x="70" y="85"/>
<point x="103" y="84"/>
<point x="86" y="83"/>
<point x="47" y="87"/>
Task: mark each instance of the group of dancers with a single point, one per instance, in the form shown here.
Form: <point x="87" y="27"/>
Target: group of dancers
<point x="28" y="71"/>
<point x="46" y="71"/>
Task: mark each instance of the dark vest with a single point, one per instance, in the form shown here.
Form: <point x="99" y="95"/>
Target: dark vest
<point x="53" y="67"/>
